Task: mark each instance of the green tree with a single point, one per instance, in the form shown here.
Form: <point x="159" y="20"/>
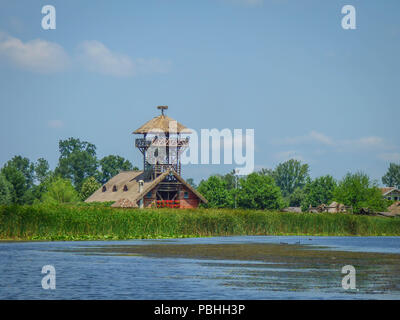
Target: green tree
<point x="259" y="192"/>
<point x="296" y="197"/>
<point x="42" y="170"/>
<point x="25" y="166"/>
<point x="318" y="191"/>
<point x="77" y="161"/>
<point x="392" y="176"/>
<point x="19" y="172"/>
<point x="60" y="191"/>
<point x="290" y="175"/>
<point x="359" y="191"/>
<point x="112" y="165"/>
<point x="6" y="191"/>
<point x="266" y="172"/>
<point x="89" y="186"/>
<point x="214" y="189"/>
<point x="229" y="179"/>
<point x="18" y="181"/>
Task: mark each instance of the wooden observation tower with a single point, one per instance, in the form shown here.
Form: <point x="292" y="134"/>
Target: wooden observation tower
<point x="159" y="184"/>
<point x="162" y="144"/>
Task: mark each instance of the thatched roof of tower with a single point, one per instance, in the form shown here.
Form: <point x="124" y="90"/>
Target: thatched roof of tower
<point x="162" y="124"/>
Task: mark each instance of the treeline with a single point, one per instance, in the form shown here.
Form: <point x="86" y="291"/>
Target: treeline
<point x="77" y="175"/>
<point x="289" y="184"/>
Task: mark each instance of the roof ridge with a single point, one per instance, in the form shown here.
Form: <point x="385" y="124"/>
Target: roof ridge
<point x="161" y="123"/>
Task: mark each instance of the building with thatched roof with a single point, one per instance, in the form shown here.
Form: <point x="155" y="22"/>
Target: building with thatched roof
<point x="391" y="193"/>
<point x="159" y="184"/>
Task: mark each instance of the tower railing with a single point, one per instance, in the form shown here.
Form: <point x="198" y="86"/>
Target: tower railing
<point x="161" y="168"/>
<point x="161" y="142"/>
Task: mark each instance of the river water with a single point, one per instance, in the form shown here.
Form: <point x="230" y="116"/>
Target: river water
<point x="245" y="267"/>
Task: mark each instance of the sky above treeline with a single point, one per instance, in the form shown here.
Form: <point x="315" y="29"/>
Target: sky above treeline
<point x="285" y="68"/>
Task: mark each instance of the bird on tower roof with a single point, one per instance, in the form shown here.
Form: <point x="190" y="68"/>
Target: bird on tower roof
<point x="161" y="123"/>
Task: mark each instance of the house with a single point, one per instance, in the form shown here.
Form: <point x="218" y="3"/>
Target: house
<point x="391" y="193"/>
<point x="131" y="189"/>
<point x="159" y="184"/>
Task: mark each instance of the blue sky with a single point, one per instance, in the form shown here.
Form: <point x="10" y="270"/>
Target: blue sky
<point x="285" y="68"/>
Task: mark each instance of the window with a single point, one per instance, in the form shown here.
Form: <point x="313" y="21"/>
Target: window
<point x="186" y="195"/>
<point x="149" y="194"/>
<point x="115" y="189"/>
<point x="389" y="198"/>
<point x="104" y="189"/>
<point x="395" y="198"/>
<point x="125" y="188"/>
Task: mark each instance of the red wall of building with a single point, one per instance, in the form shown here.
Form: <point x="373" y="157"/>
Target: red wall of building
<point x="191" y="202"/>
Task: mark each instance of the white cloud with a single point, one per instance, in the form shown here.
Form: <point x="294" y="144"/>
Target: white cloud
<point x="55" y="124"/>
<point x="320" y="137"/>
<point x="34" y="55"/>
<point x="392" y="157"/>
<point x="372" y="146"/>
<point x="311" y="137"/>
<point x="96" y="57"/>
<point x="314" y="137"/>
<point x="48" y="57"/>
<point x="367" y="142"/>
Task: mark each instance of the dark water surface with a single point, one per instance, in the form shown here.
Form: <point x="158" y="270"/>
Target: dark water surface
<point x="203" y="268"/>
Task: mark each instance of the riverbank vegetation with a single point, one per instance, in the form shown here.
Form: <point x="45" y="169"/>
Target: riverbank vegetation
<point x="100" y="222"/>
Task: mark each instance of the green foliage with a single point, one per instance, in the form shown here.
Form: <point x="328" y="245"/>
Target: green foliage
<point x="93" y="222"/>
<point x="359" y="191"/>
<point x="290" y="175"/>
<point x="39" y="190"/>
<point x="60" y="191"/>
<point x="19" y="172"/>
<point x="30" y="181"/>
<point x="17" y="179"/>
<point x="392" y="176"/>
<point x="215" y="190"/>
<point x="259" y="192"/>
<point x="24" y="166"/>
<point x="42" y="171"/>
<point x="6" y="191"/>
<point x="318" y="191"/>
<point x="229" y="179"/>
<point x="266" y="172"/>
<point x="71" y="145"/>
<point x="89" y="186"/>
<point x="297" y="197"/>
<point x="77" y="161"/>
<point x="112" y="165"/>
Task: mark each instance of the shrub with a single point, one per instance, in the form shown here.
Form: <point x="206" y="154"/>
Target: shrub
<point x="60" y="191"/>
<point x="89" y="186"/>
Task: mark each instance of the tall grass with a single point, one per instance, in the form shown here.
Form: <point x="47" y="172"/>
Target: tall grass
<point x="67" y="222"/>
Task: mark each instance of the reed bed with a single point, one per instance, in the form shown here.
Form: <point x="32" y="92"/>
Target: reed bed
<point x="99" y="222"/>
